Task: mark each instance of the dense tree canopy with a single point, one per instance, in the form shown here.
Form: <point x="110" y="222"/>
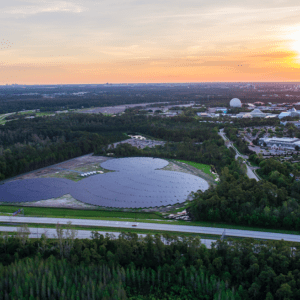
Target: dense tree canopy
<point x="28" y="144"/>
<point x="271" y="202"/>
<point x="153" y="267"/>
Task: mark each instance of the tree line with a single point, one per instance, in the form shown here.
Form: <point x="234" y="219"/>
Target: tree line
<point x="29" y="144"/>
<point x="150" y="267"/>
<point x="210" y="152"/>
<point x="272" y="202"/>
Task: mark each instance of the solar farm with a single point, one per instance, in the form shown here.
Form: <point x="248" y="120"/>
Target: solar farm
<point x="136" y="182"/>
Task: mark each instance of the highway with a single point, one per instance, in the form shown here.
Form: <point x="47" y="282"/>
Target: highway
<point x="155" y="226"/>
<point x="81" y="234"/>
<point x="250" y="173"/>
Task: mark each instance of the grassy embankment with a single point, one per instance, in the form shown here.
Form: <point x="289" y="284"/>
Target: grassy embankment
<point x="204" y="168"/>
<point x="80" y="213"/>
<point x="38" y="114"/>
<point x="2" y="119"/>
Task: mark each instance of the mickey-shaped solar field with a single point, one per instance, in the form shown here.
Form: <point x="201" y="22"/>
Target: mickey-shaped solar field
<point x="136" y="182"/>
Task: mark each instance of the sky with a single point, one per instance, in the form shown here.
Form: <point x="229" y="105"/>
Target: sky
<point x="126" y="41"/>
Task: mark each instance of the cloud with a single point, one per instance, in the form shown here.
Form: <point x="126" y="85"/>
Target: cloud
<point x="274" y="55"/>
<point x="46" y="7"/>
<point x="228" y="11"/>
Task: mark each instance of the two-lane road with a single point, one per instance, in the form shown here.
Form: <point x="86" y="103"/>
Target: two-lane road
<point x="250" y="173"/>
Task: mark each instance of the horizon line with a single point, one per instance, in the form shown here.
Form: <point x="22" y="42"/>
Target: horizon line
<point x="130" y="83"/>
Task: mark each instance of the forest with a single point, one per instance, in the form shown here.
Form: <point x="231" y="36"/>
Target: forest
<point x="150" y="267"/>
<point x="53" y="98"/>
<point x="272" y="202"/>
<point x="26" y="145"/>
<point x="243" y="122"/>
<point x="29" y="144"/>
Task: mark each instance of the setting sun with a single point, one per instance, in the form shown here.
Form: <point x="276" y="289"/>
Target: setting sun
<point x="294" y="38"/>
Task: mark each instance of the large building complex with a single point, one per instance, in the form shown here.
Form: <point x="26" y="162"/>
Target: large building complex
<point x="290" y="113"/>
<point x="256" y="113"/>
<point x="280" y="143"/>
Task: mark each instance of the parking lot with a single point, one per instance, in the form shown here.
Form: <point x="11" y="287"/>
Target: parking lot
<point x="141" y="144"/>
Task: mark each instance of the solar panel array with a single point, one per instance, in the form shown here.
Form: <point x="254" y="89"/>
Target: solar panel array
<point x="29" y="190"/>
<point x="136" y="182"/>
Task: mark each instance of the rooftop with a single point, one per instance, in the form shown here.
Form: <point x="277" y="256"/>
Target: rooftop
<point x="281" y="140"/>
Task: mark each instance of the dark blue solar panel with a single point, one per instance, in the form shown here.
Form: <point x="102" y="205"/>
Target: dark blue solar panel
<point x="136" y="182"/>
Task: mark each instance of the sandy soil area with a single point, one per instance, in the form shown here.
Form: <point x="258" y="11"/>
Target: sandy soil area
<point x="66" y="201"/>
<point x="75" y="164"/>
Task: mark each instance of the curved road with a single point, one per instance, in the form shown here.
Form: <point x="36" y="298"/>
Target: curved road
<point x="250" y="173"/>
<point x="155" y="226"/>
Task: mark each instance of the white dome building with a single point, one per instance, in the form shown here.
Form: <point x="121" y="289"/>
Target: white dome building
<point x="235" y="102"/>
<point x="257" y="113"/>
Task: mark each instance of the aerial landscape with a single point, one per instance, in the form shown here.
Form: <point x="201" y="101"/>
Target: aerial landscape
<point x="150" y="150"/>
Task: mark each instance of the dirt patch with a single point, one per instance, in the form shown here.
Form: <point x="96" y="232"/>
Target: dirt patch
<point x="66" y="201"/>
<point x="69" y="169"/>
<point x="174" y="167"/>
<point x="185" y="168"/>
<point x="194" y="171"/>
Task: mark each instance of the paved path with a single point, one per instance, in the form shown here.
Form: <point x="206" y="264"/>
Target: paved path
<point x="250" y="173"/>
<point x="155" y="226"/>
<point x="81" y="234"/>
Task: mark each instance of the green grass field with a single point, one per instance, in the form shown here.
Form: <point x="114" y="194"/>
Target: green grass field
<point x="202" y="167"/>
<point x="68" y="175"/>
<point x="80" y="213"/>
<point x="41" y="114"/>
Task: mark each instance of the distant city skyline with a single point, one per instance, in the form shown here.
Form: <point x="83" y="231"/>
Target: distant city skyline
<point x="129" y="41"/>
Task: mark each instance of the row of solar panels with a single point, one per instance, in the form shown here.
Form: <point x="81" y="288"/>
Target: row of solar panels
<point x="88" y="173"/>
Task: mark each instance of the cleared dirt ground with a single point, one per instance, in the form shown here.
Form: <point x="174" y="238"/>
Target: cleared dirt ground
<point x="70" y="169"/>
<point x="66" y="201"/>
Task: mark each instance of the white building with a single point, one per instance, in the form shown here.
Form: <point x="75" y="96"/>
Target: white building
<point x="137" y="137"/>
<point x="235" y="102"/>
<point x="256" y="113"/>
<point x="290" y="113"/>
<point x="243" y="115"/>
<point x="280" y="143"/>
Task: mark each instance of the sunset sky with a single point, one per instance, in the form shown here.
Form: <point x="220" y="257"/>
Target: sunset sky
<point x="124" y="41"/>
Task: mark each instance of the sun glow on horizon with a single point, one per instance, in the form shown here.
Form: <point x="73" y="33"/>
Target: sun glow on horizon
<point x="294" y="38"/>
